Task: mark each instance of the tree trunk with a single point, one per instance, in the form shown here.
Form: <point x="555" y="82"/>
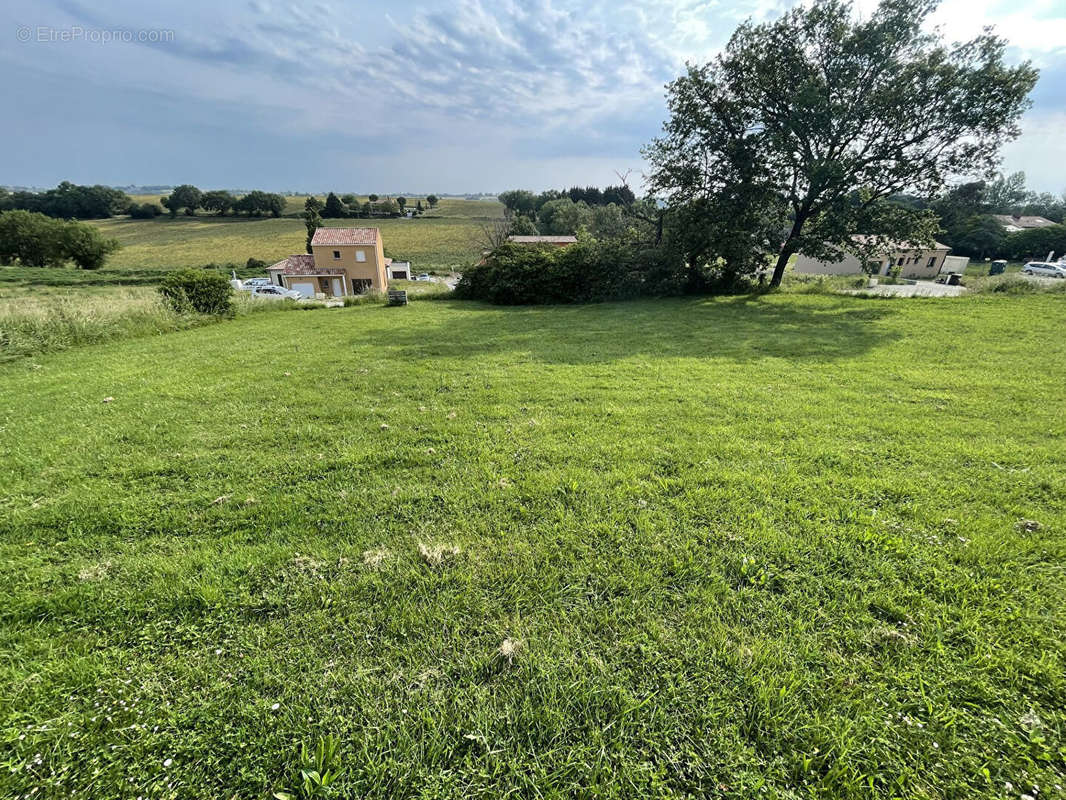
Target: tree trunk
<point x="788" y="248"/>
<point x="779" y="268"/>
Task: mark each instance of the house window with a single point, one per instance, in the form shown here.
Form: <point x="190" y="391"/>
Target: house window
<point x="360" y="255"/>
<point x="899" y="262"/>
<point x="932" y="261"/>
<point x="336" y="254"/>
<point x="361" y="285"/>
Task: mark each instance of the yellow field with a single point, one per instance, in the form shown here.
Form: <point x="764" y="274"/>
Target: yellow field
<point x="447" y="239"/>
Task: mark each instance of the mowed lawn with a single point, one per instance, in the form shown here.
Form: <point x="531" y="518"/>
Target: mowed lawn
<point x="448" y="240"/>
<point x="794" y="546"/>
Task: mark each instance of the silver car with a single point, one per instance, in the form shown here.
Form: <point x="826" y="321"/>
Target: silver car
<point x="1045" y="269"/>
<point x="276" y="293"/>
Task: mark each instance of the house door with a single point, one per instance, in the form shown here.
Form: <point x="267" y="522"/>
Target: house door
<point x="338" y="287"/>
<point x="304" y="288"/>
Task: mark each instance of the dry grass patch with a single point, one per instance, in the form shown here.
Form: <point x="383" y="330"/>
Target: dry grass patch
<point x="376" y="557"/>
<point x="435" y="554"/>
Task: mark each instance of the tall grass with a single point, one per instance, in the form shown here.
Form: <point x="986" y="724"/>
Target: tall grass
<point x="1014" y="284"/>
<point x="31" y="325"/>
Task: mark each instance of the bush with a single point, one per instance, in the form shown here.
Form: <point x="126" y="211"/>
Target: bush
<point x="145" y="210"/>
<point x="255" y="264"/>
<point x="1014" y="284"/>
<point x="590" y="270"/>
<point x="201" y="291"/>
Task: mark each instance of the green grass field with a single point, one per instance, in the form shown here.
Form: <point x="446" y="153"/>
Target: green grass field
<point x="771" y="547"/>
<point x="446" y="240"/>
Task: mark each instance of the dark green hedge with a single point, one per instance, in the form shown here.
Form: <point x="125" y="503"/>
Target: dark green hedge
<point x="588" y="271"/>
<point x="192" y="290"/>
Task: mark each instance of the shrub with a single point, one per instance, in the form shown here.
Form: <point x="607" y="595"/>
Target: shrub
<point x="195" y="290"/>
<point x="145" y="210"/>
<point x="1014" y="284"/>
<point x="590" y="270"/>
<point x="256" y="264"/>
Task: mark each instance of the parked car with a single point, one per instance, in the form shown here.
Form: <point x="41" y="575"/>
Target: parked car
<point x="424" y="277"/>
<point x="252" y="282"/>
<point x="1044" y="268"/>
<point x="276" y="293"/>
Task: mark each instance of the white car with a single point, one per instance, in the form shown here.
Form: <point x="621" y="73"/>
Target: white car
<point x="251" y="283"/>
<point x="424" y="277"/>
<point x="276" y="293"/>
<point x="1044" y="268"/>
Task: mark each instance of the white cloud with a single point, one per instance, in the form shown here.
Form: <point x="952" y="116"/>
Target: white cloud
<point x="563" y="81"/>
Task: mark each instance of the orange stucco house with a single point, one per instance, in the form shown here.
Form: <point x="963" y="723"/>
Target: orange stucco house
<point x="342" y="261"/>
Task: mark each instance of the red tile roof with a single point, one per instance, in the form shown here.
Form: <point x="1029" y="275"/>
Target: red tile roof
<point x="302" y="264"/>
<point x="328" y="236"/>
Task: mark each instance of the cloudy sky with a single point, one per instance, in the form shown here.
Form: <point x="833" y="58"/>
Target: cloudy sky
<point x="416" y="96"/>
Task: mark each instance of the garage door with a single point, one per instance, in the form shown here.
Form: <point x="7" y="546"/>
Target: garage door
<point x="306" y="289"/>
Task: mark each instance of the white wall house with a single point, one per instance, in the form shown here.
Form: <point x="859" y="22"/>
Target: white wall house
<point x="913" y="262"/>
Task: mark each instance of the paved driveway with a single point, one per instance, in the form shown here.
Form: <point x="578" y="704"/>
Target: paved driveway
<point x="919" y="289"/>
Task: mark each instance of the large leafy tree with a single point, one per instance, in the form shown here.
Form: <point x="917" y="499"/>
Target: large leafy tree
<point x="1006" y="192"/>
<point x="824" y="116"/>
<point x="334" y="208"/>
<point x="185" y="196"/>
<point x="218" y="200"/>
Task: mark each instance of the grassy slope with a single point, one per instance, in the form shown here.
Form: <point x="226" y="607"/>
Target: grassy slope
<point x="447" y="240"/>
<point x="766" y="543"/>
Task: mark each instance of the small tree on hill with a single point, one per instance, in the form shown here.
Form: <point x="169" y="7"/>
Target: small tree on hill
<point x="218" y="200"/>
<point x="402" y="203"/>
<point x="830" y="116"/>
<point x="373" y="198"/>
<point x="186" y="197"/>
<point x="334" y="208"/>
<point x="85" y="245"/>
<point x="432" y="200"/>
<point x="275" y="204"/>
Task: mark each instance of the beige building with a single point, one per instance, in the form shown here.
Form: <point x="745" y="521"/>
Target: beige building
<point x="554" y="241"/>
<point x="913" y="262"/>
<point x="342" y="261"/>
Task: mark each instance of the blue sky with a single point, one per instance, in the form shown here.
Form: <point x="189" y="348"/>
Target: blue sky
<point x="473" y="95"/>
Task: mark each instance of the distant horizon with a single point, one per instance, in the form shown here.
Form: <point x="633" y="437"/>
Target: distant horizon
<point x="154" y="188"/>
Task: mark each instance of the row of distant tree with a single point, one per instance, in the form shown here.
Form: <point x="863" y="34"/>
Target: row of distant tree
<point x="527" y="203"/>
<point x="188" y="199"/>
<point x="375" y="206"/>
<point x="71" y="201"/>
<point x="564" y="212"/>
